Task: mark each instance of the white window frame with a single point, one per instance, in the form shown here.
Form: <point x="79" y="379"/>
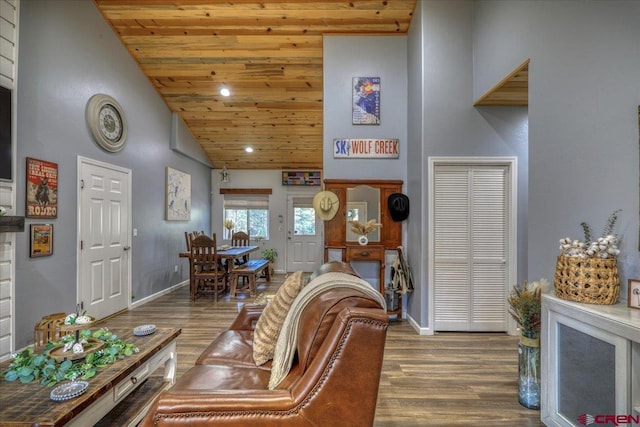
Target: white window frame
<point x="247" y="202"/>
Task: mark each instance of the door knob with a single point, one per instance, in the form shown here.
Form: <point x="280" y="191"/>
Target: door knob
<point x="126" y="248"/>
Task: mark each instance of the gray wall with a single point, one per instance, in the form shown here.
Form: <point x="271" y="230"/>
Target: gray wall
<point x="416" y="167"/>
<point x="346" y="57"/>
<point x="444" y="122"/>
<point x="584" y="92"/>
<point x="67" y="54"/>
<point x="577" y="144"/>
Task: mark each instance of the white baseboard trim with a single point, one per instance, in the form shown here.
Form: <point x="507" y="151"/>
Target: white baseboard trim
<point x="420" y="330"/>
<point x="158" y="294"/>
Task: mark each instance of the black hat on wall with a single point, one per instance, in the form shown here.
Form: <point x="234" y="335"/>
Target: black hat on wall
<point x="398" y="206"/>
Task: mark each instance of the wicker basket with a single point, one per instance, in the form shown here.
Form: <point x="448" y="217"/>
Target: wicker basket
<point x="589" y="280"/>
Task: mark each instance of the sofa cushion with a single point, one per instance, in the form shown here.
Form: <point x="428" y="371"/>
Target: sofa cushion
<point x="232" y="348"/>
<point x="219" y="377"/>
<point x="270" y="322"/>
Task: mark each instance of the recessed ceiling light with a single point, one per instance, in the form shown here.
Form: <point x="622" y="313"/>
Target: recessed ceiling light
<point x="249" y="150"/>
<point x="225" y="92"/>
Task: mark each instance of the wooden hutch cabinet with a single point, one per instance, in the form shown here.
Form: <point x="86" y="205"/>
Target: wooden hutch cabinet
<point x="389" y="236"/>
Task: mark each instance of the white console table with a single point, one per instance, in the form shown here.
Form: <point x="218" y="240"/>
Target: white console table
<point x="590" y="362"/>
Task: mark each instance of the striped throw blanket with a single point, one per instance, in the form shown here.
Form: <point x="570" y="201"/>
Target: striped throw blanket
<point x="288" y="338"/>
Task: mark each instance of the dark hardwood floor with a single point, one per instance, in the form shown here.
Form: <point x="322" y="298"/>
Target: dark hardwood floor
<point x="449" y="379"/>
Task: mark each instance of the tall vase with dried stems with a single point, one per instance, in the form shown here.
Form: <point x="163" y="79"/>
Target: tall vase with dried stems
<point x="525" y="307"/>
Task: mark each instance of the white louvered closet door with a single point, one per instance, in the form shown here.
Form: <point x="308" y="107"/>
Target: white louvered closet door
<point x="471" y="235"/>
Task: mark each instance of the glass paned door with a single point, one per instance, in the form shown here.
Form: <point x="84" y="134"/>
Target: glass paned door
<point x="304" y="237"/>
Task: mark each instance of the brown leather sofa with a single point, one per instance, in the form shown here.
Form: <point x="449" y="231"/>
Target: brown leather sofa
<point x="333" y="381"/>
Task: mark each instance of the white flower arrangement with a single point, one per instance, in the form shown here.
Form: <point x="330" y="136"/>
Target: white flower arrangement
<point x="604" y="247"/>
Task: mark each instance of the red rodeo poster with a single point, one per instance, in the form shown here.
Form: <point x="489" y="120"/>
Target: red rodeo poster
<point x="42" y="189"/>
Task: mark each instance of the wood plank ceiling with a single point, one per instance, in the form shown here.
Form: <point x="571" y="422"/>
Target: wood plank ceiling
<point x="513" y="90"/>
<point x="267" y="53"/>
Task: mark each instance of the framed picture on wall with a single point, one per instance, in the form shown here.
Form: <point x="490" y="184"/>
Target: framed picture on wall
<point x="366" y="101"/>
<point x="301" y="177"/>
<point x="633" y="299"/>
<point x="178" y="195"/>
<point x="42" y="189"/>
<point x="41" y="240"/>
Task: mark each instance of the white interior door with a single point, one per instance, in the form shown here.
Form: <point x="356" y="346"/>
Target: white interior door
<point x="104" y="247"/>
<point x="304" y="236"/>
<point x="471" y="247"/>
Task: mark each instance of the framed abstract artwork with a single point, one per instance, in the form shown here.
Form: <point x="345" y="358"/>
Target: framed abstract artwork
<point x="178" y="195"/>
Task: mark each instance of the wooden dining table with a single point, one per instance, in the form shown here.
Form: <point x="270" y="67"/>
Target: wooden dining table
<point x="228" y="254"/>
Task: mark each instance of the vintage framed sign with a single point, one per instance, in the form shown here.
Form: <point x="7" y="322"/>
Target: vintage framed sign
<point x="41" y="241"/>
<point x="366" y="101"/>
<point x="42" y="189"/>
<point x="366" y="148"/>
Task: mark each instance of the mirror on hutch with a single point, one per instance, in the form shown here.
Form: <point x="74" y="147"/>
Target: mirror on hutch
<point x="363" y="204"/>
<point x="363" y="200"/>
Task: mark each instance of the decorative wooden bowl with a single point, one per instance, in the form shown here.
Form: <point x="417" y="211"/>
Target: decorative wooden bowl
<point x="59" y="355"/>
<point x="76" y="326"/>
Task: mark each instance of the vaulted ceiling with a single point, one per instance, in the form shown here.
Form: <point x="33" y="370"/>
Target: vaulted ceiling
<point x="267" y="53"/>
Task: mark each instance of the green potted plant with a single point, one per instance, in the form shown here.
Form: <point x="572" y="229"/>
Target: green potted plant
<point x="270" y="254"/>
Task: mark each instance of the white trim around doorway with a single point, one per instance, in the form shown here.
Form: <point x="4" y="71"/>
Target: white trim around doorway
<point x="512" y="164"/>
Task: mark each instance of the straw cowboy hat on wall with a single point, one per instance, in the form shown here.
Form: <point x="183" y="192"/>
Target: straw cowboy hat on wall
<point x="326" y="204"/>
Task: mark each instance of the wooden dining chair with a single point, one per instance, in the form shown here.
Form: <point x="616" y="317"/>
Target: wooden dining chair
<point x="240" y="238"/>
<point x="208" y="275"/>
<point x="189" y="236"/>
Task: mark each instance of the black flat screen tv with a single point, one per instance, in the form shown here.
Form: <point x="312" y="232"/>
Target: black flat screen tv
<point x="5" y="133"/>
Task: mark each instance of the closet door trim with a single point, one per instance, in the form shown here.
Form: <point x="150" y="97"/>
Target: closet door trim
<point x="512" y="165"/>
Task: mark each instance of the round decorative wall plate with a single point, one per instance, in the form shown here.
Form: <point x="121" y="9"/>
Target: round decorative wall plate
<point x="106" y="120"/>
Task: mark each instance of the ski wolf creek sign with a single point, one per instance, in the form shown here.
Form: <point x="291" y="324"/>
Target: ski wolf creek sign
<point x="371" y="148"/>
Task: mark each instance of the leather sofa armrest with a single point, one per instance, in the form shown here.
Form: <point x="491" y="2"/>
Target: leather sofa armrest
<point x="248" y="316"/>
